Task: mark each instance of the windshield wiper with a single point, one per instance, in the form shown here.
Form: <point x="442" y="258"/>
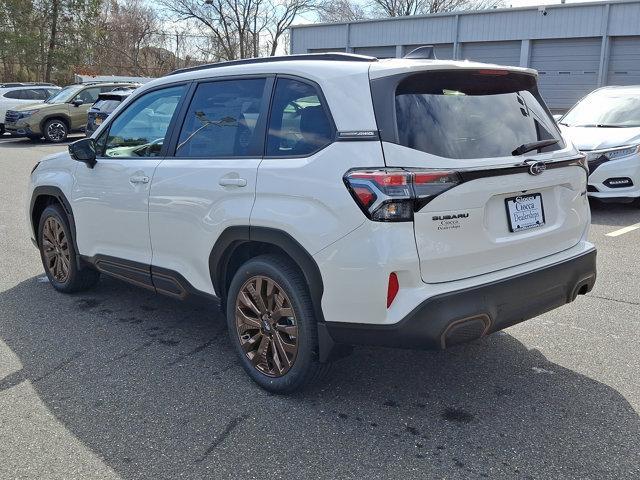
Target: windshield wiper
<point x="527" y="147"/>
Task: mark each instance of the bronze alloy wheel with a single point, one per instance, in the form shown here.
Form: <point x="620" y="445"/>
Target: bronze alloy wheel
<point x="266" y="326"/>
<point x="55" y="247"/>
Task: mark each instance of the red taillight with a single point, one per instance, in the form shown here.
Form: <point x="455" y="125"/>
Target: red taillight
<point x="393" y="195"/>
<point x="392" y="289"/>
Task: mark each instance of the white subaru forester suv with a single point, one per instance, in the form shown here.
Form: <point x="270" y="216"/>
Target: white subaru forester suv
<point x="327" y="201"/>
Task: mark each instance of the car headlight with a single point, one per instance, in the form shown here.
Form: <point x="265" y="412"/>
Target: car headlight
<point x="27" y="113"/>
<point x="614" y="153"/>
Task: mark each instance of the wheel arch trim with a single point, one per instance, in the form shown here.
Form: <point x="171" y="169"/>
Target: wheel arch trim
<point x="58" y="194"/>
<point x="232" y="237"/>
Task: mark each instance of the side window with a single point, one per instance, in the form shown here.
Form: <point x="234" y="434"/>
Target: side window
<point x="36" y="94"/>
<point x="222" y="120"/>
<point x="15" y="94"/>
<point x="88" y="95"/>
<point x="140" y="130"/>
<point x="299" y="124"/>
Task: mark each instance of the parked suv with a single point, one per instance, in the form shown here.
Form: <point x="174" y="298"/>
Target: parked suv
<point x="327" y="200"/>
<point x="61" y="114"/>
<point x="605" y="126"/>
<point x="14" y="95"/>
<point x="104" y="105"/>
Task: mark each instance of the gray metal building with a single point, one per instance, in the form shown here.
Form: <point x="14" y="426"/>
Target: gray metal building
<point x="575" y="47"/>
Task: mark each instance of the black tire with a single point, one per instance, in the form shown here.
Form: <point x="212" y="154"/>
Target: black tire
<point x="305" y="368"/>
<point x="34" y="138"/>
<point x="55" y="130"/>
<point x="1" y="129"/>
<point x="75" y="280"/>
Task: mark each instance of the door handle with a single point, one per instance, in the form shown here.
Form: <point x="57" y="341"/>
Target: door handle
<point x="139" y="179"/>
<point x="236" y="182"/>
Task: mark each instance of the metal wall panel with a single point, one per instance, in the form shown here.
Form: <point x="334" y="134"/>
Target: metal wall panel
<point x="410" y="30"/>
<point x="380" y="52"/>
<point x="443" y="51"/>
<point x="503" y="53"/>
<point x="624" y="61"/>
<point x="568" y="68"/>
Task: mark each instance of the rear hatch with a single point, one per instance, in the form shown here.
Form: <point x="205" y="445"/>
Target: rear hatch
<point x="488" y="206"/>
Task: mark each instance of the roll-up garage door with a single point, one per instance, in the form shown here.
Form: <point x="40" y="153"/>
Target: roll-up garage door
<point x="502" y="53"/>
<point x="326" y="50"/>
<point x="568" y="69"/>
<point x="379" y="52"/>
<point x="443" y="51"/>
<point x="624" y="61"/>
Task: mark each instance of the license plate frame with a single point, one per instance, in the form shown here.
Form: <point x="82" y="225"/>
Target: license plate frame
<point x="534" y="205"/>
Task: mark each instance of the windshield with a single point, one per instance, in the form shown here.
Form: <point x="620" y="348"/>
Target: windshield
<point x="605" y="109"/>
<point x="477" y="114"/>
<point x="65" y="94"/>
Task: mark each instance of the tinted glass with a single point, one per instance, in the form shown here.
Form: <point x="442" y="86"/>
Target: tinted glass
<point x="139" y="131"/>
<point x="606" y="108"/>
<point x="15" y="94"/>
<point x="222" y="119"/>
<point x="37" y="94"/>
<point x="89" y="95"/>
<point x="471" y="115"/>
<point x="299" y="124"/>
<point x="105" y="106"/>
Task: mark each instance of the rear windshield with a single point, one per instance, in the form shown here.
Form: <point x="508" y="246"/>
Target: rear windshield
<point x="106" y="106"/>
<point x="471" y="114"/>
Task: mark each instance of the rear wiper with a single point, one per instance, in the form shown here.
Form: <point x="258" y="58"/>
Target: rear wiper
<point x="527" y="147"/>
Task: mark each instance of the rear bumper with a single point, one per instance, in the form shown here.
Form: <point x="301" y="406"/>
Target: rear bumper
<point x="464" y="315"/>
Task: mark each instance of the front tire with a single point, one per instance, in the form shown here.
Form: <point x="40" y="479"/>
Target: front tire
<point x="55" y="130"/>
<point x="58" y="254"/>
<point x="272" y="324"/>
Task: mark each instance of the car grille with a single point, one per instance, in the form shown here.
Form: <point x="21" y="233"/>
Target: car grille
<point x="11" y="116"/>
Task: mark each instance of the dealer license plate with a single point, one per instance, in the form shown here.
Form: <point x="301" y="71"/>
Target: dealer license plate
<point x="525" y="212"/>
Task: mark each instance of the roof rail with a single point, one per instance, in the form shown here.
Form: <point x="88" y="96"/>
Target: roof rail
<point x="337" y="56"/>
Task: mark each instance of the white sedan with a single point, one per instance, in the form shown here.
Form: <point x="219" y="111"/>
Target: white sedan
<point x="605" y="125"/>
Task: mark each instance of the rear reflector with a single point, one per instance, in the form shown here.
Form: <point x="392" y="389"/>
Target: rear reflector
<point x="392" y="289"/>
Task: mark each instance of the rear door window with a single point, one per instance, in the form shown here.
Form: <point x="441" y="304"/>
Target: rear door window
<point x="224" y="120"/>
<point x="471" y="114"/>
<point x="299" y="123"/>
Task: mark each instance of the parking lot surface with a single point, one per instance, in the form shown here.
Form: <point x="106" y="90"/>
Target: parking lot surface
<point x="121" y="383"/>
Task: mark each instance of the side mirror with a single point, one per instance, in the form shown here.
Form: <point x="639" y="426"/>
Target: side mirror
<point x="84" y="151"/>
<point x="77" y="102"/>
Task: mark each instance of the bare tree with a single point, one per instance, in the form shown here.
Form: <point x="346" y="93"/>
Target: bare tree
<point x="279" y="16"/>
<point x="400" y="8"/>
<point x="241" y="28"/>
<point x="332" y="11"/>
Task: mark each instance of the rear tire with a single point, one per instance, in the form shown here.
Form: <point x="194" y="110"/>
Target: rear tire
<point x="58" y="254"/>
<point x="272" y="325"/>
<point x="55" y="130"/>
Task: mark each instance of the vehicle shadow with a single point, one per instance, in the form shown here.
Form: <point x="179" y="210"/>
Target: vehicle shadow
<point x="151" y="385"/>
<point x="614" y="214"/>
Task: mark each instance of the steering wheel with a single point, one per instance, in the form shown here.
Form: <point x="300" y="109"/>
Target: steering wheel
<point x="144" y="150"/>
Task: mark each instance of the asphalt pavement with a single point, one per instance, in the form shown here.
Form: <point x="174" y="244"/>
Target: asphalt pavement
<point x="120" y="383"/>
